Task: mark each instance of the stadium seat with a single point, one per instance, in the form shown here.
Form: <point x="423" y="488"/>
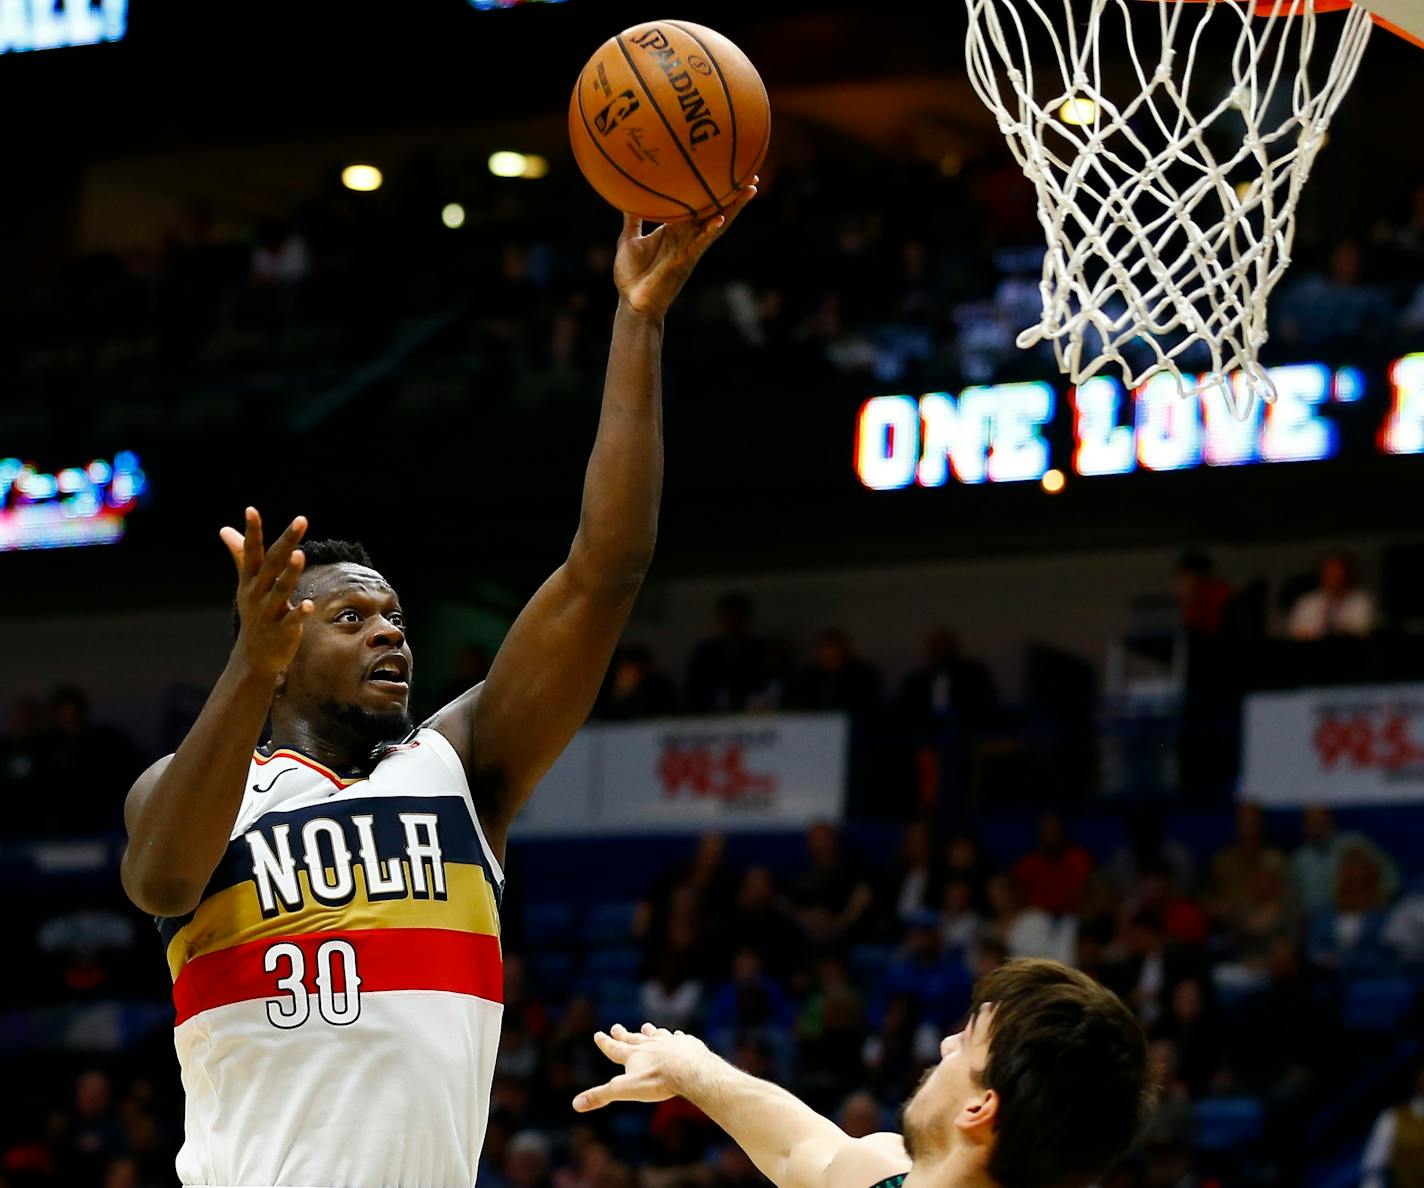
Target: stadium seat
<point x="548" y="923"/>
<point x="621" y="962"/>
<point x="1229" y="1123"/>
<point x="1378" y="1004"/>
<point x="609" y="923"/>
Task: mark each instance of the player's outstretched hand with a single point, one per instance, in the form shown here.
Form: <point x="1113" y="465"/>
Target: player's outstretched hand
<point x="651" y="269"/>
<point x="657" y="1064"/>
<point x="271" y="627"/>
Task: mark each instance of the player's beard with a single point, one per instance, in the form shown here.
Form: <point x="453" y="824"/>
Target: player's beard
<point x="370" y="727"/>
<point x="908" y="1130"/>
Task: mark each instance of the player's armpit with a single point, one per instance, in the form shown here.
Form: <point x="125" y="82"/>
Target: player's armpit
<point x="864" y="1162"/>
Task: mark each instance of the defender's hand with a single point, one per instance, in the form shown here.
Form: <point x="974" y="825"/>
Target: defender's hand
<point x="657" y="1064"/>
<point x="649" y="270"/>
<point x="271" y="627"/>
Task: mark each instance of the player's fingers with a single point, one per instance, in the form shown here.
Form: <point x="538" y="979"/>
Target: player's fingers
<point x="632" y="226"/>
<point x="617" y="1051"/>
<point x="287" y="579"/>
<point x="280" y="553"/>
<point x="232" y="538"/>
<point x="619" y="1032"/>
<point x="252" y="544"/>
<point x="620" y="1088"/>
<point x="648" y="1029"/>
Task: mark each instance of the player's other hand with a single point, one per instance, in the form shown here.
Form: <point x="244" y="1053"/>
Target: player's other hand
<point x="657" y="1064"/>
<point x="271" y="626"/>
<point x="651" y="269"/>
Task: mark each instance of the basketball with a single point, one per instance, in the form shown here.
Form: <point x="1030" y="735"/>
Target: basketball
<point x="669" y="120"/>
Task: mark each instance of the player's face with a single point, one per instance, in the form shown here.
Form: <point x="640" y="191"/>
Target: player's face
<point x="354" y="650"/>
<point x="948" y="1089"/>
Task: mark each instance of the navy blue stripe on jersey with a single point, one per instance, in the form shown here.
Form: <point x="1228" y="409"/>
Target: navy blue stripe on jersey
<point x="458" y="839"/>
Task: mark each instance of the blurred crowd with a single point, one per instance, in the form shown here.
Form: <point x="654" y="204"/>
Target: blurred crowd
<point x="1272" y="974"/>
<point x="514" y="303"/>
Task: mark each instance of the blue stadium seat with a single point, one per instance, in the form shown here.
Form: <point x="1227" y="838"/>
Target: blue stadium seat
<point x="549" y="971"/>
<point x="613" y="963"/>
<point x="609" y="923"/>
<point x="1378" y="1004"/>
<point x="1229" y="1123"/>
<point x="548" y="923"/>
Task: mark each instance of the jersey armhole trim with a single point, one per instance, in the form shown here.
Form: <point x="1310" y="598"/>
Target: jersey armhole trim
<point x="438" y="743"/>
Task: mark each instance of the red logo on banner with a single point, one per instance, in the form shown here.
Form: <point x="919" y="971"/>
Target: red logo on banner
<point x="1362" y="740"/>
<point x="715" y="768"/>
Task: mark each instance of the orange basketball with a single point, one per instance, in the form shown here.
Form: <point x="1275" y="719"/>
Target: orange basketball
<point x="669" y="120"/>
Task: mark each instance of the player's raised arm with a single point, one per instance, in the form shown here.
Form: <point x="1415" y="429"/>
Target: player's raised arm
<point x="791" y="1144"/>
<point x="544" y="680"/>
<point x="180" y="812"/>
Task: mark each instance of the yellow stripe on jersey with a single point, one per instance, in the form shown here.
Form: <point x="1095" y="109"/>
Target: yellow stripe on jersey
<point x="233" y="916"/>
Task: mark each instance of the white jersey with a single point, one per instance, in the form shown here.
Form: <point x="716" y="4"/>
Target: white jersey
<point x="339" y="987"/>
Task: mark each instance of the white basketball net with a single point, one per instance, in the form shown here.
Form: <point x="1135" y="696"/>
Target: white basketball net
<point x="1167" y="230"/>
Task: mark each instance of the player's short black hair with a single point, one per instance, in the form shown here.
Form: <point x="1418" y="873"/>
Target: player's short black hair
<point x="1069" y="1063"/>
<point x="320" y="552"/>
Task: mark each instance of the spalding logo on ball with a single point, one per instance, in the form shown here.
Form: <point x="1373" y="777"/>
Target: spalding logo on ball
<point x="669" y="120"/>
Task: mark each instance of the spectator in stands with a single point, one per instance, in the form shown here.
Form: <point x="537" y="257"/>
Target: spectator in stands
<point x="902" y="1045"/>
<point x="1337" y="607"/>
<point x="527" y="1158"/>
<point x="1404" y="930"/>
<point x="749" y="1001"/>
<point x="730" y="667"/>
<point x="1234" y="869"/>
<point x="914" y="881"/>
<point x="1394" y="1156"/>
<point x="83" y="766"/>
<point x="831" y="1033"/>
<point x="1336" y="306"/>
<point x="836" y="678"/>
<point x="733" y="1169"/>
<point x="939" y="982"/>
<point x="1316" y="862"/>
<point x="1027" y="931"/>
<point x="759" y="921"/>
<point x="962" y="859"/>
<point x="1182" y="917"/>
<point x="949" y="684"/>
<point x="1192" y="1027"/>
<point x="833" y="896"/>
<point x="1350" y="935"/>
<point x="98" y="1135"/>
<point x="1053" y="875"/>
<point x="1148" y="848"/>
<point x="20" y="753"/>
<point x="1150" y="967"/>
<point x="1203" y="596"/>
<point x="860" y="1114"/>
<point x="672" y="997"/>
<point x="635" y="687"/>
<point x="959" y="923"/>
<point x="1275" y="1040"/>
<point x="701" y="890"/>
<point x="1270" y="911"/>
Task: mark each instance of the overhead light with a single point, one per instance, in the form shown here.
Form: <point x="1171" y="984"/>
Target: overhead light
<point x="1052" y="481"/>
<point x="509" y="164"/>
<point x="1078" y="112"/>
<point x="453" y="216"/>
<point x="363" y="178"/>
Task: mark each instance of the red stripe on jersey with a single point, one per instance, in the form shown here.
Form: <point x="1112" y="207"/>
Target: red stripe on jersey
<point x="386" y="959"/>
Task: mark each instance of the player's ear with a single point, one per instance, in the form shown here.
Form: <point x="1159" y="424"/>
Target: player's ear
<point x="978" y="1114"/>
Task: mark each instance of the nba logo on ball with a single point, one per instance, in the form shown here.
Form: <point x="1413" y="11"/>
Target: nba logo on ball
<point x="669" y="120"/>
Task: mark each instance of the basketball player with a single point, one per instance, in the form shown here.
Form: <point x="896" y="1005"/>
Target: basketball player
<point x="329" y="900"/>
<point x="1044" y="1088"/>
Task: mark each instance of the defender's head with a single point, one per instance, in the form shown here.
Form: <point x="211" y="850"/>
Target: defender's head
<point x="1044" y="1088"/>
<point x="353" y="669"/>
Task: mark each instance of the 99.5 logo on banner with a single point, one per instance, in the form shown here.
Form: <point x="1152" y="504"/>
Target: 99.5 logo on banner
<point x="1386" y="738"/>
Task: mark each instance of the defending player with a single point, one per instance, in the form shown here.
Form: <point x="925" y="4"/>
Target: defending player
<point x="1044" y="1088"/>
<point x="329" y="900"/>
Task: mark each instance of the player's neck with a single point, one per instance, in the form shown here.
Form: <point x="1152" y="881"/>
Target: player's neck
<point x="329" y="744"/>
<point x="961" y="1167"/>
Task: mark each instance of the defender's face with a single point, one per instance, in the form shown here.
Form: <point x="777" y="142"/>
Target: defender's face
<point x="929" y="1116"/>
<point x="354" y="649"/>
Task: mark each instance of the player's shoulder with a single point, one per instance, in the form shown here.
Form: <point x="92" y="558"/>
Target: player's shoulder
<point x="868" y="1162"/>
